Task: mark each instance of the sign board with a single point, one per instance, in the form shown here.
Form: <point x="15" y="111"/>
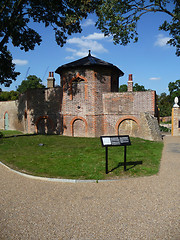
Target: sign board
<point x="113" y="141"/>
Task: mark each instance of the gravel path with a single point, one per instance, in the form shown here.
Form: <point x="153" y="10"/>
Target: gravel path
<point x="139" y="208"/>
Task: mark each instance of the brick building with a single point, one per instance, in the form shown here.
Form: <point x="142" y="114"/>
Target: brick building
<point x="87" y="104"/>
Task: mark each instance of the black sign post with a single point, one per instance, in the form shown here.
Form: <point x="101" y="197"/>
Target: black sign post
<point x="106" y="160"/>
<point x="115" y="141"/>
<point x="124" y="158"/>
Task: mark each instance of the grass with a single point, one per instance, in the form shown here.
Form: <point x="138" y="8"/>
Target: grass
<point x="77" y="158"/>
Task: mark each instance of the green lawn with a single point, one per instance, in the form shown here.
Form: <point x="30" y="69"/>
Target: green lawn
<point x="77" y="158"/>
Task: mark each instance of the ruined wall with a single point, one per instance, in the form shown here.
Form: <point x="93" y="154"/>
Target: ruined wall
<point x="36" y="111"/>
<point x="43" y="110"/>
<point x="122" y="111"/>
<point x="87" y="105"/>
<point x="149" y="127"/>
<point x="9" y="118"/>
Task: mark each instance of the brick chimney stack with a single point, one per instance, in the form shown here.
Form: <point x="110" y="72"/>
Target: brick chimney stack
<point x="130" y="83"/>
<point x="50" y="80"/>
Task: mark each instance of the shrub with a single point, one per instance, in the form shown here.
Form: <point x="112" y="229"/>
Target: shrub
<point x="1" y="135"/>
<point x="164" y="129"/>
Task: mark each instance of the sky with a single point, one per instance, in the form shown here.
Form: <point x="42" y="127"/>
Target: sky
<point x="152" y="62"/>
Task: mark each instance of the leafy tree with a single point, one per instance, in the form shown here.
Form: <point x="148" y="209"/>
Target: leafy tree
<point x="119" y="18"/>
<point x="174" y="90"/>
<point x="7" y="96"/>
<point x="136" y="88"/>
<point x="15" y="16"/>
<point x="7" y="68"/>
<point x="32" y="82"/>
<point x="164" y="104"/>
<point x="123" y="88"/>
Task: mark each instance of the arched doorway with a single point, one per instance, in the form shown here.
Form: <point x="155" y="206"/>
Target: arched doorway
<point x="79" y="128"/>
<point x="6" y="121"/>
<point x="128" y="127"/>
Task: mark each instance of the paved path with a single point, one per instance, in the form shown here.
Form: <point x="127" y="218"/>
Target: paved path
<point x="140" y="208"/>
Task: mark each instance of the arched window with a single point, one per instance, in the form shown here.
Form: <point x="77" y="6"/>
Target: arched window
<point x="78" y="87"/>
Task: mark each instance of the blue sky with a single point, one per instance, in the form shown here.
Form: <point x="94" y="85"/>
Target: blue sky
<point x="152" y="62"/>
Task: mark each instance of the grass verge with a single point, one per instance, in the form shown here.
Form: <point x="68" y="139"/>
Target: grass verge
<point x="77" y="158"/>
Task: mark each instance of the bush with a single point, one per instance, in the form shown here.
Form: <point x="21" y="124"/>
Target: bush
<point x="1" y="135"/>
<point x="164" y="129"/>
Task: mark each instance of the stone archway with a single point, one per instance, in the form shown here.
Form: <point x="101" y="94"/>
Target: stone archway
<point x="128" y="126"/>
<point x="79" y="127"/>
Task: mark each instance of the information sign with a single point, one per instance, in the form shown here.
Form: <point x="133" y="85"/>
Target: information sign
<point x="110" y="141"/>
<point x="115" y="141"/>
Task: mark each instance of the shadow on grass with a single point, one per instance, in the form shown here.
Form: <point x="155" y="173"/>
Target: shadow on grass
<point x="121" y="164"/>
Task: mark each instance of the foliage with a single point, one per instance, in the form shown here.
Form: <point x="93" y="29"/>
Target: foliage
<point x="32" y="82"/>
<point x="164" y="129"/>
<point x="78" y="158"/>
<point x="116" y="18"/>
<point x="123" y="88"/>
<point x="8" y="96"/>
<point x="1" y="135"/>
<point x="136" y="88"/>
<point x="120" y="18"/>
<point x="7" y="68"/>
<point x="164" y="104"/>
<point x="16" y="15"/>
<point x="174" y="89"/>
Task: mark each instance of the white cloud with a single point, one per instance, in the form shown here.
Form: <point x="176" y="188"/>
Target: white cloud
<point x="161" y="40"/>
<point x="69" y="57"/>
<point x="82" y="44"/>
<point x="88" y="22"/>
<point x="154" y="78"/>
<point x="94" y="36"/>
<point x="70" y="50"/>
<point x="20" y="62"/>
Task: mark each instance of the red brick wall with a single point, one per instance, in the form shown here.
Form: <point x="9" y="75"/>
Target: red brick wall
<point x="128" y="105"/>
<point x="86" y="101"/>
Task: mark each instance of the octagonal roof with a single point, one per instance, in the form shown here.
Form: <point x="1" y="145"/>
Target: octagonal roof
<point x="88" y="61"/>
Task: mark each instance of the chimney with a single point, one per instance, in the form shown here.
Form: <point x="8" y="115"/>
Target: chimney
<point x="130" y="83"/>
<point x="50" y="80"/>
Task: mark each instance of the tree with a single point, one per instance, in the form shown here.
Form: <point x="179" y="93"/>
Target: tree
<point x="15" y="16"/>
<point x="136" y="88"/>
<point x="123" y="88"/>
<point x="166" y="101"/>
<point x="164" y="104"/>
<point x="32" y="82"/>
<point x="174" y="90"/>
<point x="8" y="96"/>
<point x="119" y="18"/>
